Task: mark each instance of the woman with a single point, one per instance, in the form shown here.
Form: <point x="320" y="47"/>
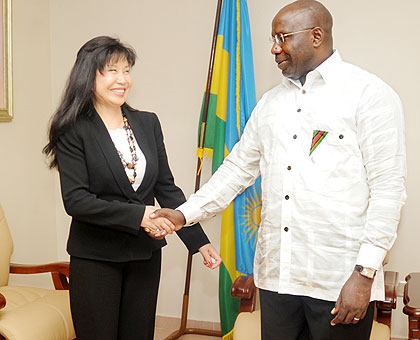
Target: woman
<point x="112" y="164"/>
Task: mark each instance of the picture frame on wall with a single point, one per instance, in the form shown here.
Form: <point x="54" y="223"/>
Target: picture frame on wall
<point x="6" y="112"/>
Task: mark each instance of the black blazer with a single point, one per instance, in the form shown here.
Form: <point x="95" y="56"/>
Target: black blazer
<point x="106" y="211"/>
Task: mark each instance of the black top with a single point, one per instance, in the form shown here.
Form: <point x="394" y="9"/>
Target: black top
<point x="106" y="211"/>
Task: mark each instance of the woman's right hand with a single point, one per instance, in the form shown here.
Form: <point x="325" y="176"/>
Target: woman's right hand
<point x="175" y="216"/>
<point x="158" y="227"/>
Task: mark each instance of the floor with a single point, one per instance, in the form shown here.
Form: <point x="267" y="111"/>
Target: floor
<point x="162" y="333"/>
<point x="167" y="325"/>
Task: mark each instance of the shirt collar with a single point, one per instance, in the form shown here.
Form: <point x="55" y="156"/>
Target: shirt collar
<point x="325" y="70"/>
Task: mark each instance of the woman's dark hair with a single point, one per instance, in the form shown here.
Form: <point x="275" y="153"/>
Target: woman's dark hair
<point x="78" y="95"/>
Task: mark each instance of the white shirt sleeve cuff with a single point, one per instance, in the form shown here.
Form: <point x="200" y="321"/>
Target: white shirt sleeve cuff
<point x="192" y="213"/>
<point x="370" y="256"/>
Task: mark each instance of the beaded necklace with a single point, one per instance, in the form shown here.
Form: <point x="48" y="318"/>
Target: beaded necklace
<point x="132" y="146"/>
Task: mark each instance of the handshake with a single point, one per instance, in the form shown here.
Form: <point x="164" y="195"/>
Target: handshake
<point x="158" y="223"/>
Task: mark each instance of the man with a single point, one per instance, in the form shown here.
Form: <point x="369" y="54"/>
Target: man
<point x="329" y="145"/>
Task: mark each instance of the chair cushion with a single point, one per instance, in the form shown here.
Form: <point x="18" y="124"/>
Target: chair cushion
<point x="6" y="248"/>
<point x="36" y="314"/>
<point x="380" y="331"/>
<point x="248" y="326"/>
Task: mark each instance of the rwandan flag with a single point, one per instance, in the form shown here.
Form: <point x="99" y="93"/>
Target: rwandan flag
<point x="232" y="99"/>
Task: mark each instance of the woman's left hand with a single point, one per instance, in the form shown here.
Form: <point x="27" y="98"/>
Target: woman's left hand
<point x="211" y="256"/>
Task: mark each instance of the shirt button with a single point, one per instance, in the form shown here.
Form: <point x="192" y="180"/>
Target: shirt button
<point x="298" y="110"/>
<point x="286" y="197"/>
<point x="303" y="91"/>
<point x="341" y="136"/>
<point x="289" y="167"/>
<point x="286" y="229"/>
<point x="294" y="136"/>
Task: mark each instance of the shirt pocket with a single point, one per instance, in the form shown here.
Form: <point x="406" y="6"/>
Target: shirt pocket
<point x="335" y="164"/>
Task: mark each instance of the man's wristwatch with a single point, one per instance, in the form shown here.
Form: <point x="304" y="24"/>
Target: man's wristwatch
<point x="365" y="271"/>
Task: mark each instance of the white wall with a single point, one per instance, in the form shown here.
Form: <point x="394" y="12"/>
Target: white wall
<point x="173" y="40"/>
<point x="26" y="187"/>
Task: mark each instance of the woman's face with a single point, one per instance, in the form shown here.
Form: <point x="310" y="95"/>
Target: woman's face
<point x="113" y="84"/>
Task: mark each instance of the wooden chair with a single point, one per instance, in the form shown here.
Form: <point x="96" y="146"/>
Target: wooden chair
<point x="412" y="305"/>
<point x="29" y="313"/>
<point x="248" y="325"/>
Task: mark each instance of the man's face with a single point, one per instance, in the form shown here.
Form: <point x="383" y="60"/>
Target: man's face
<point x="294" y="57"/>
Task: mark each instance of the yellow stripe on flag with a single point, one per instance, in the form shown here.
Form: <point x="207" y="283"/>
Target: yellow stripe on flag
<point x="220" y="80"/>
<point x="227" y="247"/>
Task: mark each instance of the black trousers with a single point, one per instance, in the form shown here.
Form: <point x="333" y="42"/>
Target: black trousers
<point x="114" y="300"/>
<point x="291" y="317"/>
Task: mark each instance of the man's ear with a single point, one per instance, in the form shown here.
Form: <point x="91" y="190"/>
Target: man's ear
<point x="317" y="36"/>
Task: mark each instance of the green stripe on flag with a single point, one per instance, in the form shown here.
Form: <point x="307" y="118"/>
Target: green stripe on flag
<point x="229" y="306"/>
<point x="215" y="132"/>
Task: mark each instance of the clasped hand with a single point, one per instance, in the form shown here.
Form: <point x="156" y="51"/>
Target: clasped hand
<point x="211" y="257"/>
<point x="157" y="227"/>
<point x="163" y="221"/>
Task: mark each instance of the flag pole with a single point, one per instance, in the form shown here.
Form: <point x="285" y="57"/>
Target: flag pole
<point x="184" y="315"/>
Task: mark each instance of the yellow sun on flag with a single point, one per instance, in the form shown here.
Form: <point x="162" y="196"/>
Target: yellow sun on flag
<point x="252" y="215"/>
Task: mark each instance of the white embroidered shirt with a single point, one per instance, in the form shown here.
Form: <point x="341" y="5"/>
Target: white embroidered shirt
<point x="326" y="206"/>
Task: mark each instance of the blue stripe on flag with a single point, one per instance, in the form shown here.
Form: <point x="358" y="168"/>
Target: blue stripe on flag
<point x="248" y="203"/>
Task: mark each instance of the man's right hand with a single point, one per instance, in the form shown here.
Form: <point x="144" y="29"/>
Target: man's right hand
<point x="175" y="216"/>
<point x="158" y="226"/>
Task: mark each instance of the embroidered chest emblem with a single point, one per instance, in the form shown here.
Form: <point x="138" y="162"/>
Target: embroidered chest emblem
<point x="317" y="137"/>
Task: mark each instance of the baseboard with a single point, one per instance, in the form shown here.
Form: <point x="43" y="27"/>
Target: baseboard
<point x="167" y="322"/>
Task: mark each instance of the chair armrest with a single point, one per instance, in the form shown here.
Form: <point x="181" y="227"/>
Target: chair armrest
<point x="384" y="308"/>
<point x="244" y="288"/>
<point x="412" y="295"/>
<point x="59" y="272"/>
<point x="391" y="283"/>
<point x="412" y="304"/>
<point x="2" y="301"/>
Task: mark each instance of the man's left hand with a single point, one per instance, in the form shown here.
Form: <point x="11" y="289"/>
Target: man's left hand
<point x="353" y="301"/>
